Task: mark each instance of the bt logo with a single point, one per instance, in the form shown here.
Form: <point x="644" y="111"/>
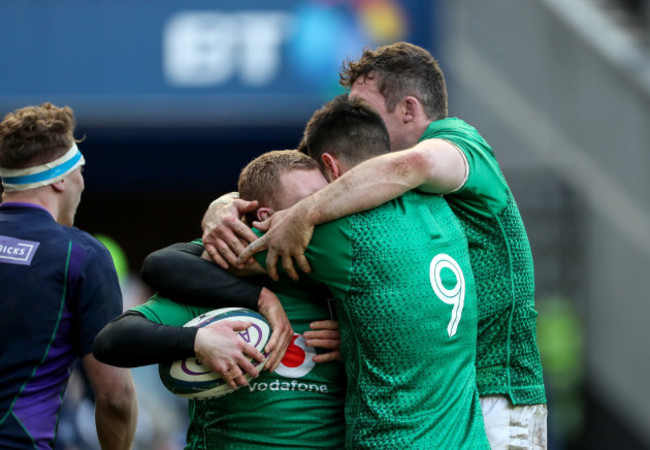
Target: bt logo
<point x="203" y="49"/>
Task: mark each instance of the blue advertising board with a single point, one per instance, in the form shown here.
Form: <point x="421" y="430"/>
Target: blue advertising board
<point x="193" y="63"/>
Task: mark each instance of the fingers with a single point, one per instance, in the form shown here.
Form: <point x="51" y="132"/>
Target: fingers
<point x="324" y="334"/>
<point x="216" y="244"/>
<point x="247" y="349"/>
<point x="236" y="373"/>
<point x="237" y="325"/>
<point x="214" y="224"/>
<point x="327" y="357"/>
<point x="269" y="306"/>
<point x="248" y="261"/>
<point x="227" y="254"/>
<point x="271" y="264"/>
<point x="324" y="325"/>
<point x="254" y="247"/>
<point x="215" y="256"/>
<point x="274" y="358"/>
<point x="241" y="381"/>
<point x="321" y="335"/>
<point x="219" y="346"/>
<point x="332" y="344"/>
<point x="287" y="265"/>
<point x="233" y="377"/>
<point x="262" y="226"/>
<point x="255" y="354"/>
<point x="278" y="348"/>
<point x="236" y="229"/>
<point x="224" y="233"/>
<point x="303" y="263"/>
<point x="247" y="366"/>
<point x="244" y="206"/>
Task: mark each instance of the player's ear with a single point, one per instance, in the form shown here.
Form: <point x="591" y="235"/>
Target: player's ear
<point x="264" y="212"/>
<point x="411" y="108"/>
<point x="59" y="186"/>
<point x="331" y="167"/>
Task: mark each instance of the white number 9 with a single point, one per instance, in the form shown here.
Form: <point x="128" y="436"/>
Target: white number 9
<point x="454" y="296"/>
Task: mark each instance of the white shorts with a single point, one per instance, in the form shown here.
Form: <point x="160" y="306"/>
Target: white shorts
<point x="514" y="427"/>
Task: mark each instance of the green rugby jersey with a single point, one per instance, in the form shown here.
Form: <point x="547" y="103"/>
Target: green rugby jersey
<point x="300" y="405"/>
<point x="406" y="305"/>
<point x="507" y="361"/>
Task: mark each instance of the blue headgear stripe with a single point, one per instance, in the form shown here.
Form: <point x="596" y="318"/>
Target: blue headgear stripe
<point x="45" y="175"/>
<point x="42" y="174"/>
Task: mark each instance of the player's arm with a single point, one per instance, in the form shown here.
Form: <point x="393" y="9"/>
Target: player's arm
<point x="95" y="289"/>
<point x="224" y="234"/>
<point x="132" y="340"/>
<point x="116" y="407"/>
<point x="179" y="273"/>
<point x="432" y="165"/>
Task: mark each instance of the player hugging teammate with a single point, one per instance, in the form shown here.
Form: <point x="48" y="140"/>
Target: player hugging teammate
<point x="424" y="329"/>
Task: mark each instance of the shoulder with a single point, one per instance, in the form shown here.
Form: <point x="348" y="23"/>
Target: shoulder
<point x="86" y="250"/>
<point x="478" y="154"/>
<point x="451" y="125"/>
<point x="91" y="245"/>
<point x="460" y="133"/>
<point x="485" y="185"/>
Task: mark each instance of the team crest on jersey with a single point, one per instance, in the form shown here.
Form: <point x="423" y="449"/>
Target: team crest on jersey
<point x="297" y="362"/>
<point x="17" y="251"/>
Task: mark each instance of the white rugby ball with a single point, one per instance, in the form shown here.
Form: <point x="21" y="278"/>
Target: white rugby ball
<point x="190" y="379"/>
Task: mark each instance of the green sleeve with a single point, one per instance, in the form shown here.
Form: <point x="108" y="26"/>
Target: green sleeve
<point x="485" y="189"/>
<point x="162" y="310"/>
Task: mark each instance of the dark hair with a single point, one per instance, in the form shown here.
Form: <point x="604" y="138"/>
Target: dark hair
<point x="401" y="69"/>
<point x="35" y="135"/>
<point x="260" y="178"/>
<point x="348" y="128"/>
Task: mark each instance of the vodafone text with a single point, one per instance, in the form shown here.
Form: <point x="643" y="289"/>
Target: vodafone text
<point x="293" y="385"/>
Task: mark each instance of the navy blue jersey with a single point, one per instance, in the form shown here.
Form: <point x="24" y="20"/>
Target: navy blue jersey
<point x="58" y="288"/>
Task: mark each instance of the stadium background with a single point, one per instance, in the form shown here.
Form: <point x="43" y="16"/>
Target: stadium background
<point x="175" y="97"/>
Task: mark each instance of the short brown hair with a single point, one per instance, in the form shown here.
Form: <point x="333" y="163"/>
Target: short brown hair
<point x="348" y="128"/>
<point x="35" y="135"/>
<point x="260" y="179"/>
<point x="401" y="69"/>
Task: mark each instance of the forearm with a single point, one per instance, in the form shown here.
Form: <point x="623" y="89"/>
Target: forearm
<point x="116" y="423"/>
<point x="433" y="165"/>
<point x="364" y="187"/>
<point x="132" y="340"/>
<point x="116" y="406"/>
<point x="179" y="273"/>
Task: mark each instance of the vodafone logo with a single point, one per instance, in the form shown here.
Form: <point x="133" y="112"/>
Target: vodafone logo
<point x="297" y="362"/>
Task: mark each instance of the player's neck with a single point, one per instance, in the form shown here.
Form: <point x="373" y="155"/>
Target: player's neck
<point x="38" y="196"/>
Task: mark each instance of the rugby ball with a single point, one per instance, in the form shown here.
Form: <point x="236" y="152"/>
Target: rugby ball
<point x="190" y="379"/>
